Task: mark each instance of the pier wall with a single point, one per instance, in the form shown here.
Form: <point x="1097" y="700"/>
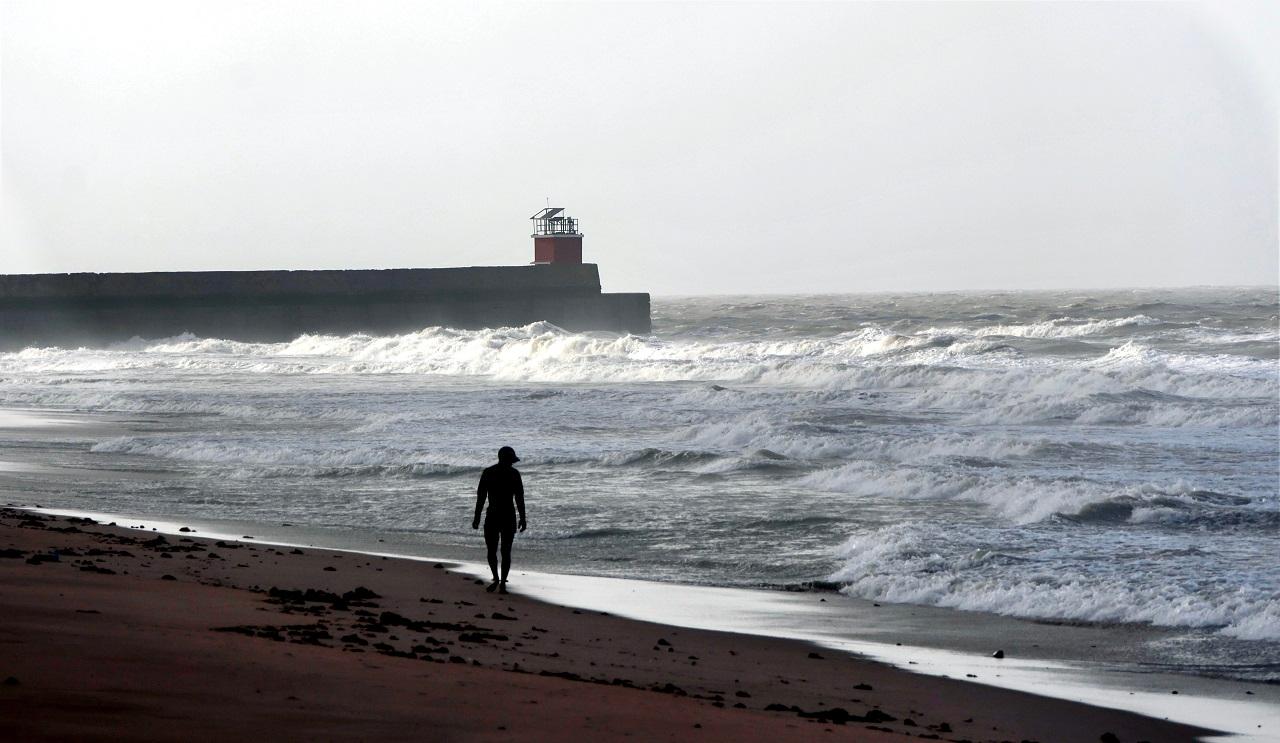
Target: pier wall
<point x="93" y="309"/>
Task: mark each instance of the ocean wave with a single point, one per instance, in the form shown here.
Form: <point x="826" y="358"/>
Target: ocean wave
<point x="537" y="352"/>
<point x="597" y="533"/>
<point x="791" y="522"/>
<point x="1068" y="327"/>
<point x="763" y="430"/>
<point x="253" y="458"/>
<point x="175" y="402"/>
<point x="1020" y="499"/>
<point x="656" y="457"/>
<point x="920" y="563"/>
<point x="248" y="458"/>
<point x="946" y="363"/>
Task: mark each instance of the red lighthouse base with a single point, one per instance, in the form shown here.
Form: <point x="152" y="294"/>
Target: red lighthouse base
<point x="557" y="249"/>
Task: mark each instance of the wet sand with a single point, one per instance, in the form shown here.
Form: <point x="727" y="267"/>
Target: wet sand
<point x="132" y="635"/>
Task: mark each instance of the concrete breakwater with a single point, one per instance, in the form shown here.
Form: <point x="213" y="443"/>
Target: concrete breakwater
<point x="97" y="308"/>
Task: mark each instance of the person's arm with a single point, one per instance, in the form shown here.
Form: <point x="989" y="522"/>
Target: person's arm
<point x="520" y="499"/>
<point x="481" y="491"/>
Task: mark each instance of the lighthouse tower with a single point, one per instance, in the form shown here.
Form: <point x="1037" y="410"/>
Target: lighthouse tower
<point x="555" y="237"/>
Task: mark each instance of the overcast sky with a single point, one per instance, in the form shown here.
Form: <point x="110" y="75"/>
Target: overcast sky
<point x="706" y="148"/>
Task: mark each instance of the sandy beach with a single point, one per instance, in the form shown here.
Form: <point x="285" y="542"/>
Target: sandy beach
<point x="117" y="633"/>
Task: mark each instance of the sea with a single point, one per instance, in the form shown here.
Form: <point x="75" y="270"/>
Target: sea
<point x="1096" y="458"/>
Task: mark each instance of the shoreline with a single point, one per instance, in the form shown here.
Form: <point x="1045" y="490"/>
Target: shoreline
<point x="747" y="613"/>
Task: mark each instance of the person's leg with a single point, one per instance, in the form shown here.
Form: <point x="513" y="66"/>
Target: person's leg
<point x="491" y="536"/>
<point x="508" y="535"/>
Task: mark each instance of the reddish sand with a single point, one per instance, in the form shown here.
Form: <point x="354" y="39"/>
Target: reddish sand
<point x="181" y="640"/>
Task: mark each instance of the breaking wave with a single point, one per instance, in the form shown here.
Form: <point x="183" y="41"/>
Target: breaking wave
<point x="1127" y="384"/>
<point x="247" y="458"/>
<point x="1027" y="499"/>
<point x="926" y="564"/>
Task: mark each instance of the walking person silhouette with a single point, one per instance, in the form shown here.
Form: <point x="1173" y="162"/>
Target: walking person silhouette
<point x="502" y="486"/>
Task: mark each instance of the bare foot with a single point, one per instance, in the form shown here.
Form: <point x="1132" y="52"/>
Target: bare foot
<point x="502" y="587"/>
<point x="492" y="586"/>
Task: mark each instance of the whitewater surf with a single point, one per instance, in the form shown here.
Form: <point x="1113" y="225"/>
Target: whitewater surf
<point x="1101" y="457"/>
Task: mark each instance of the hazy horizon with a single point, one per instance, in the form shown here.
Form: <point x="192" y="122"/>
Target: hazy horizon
<point x="708" y="149"/>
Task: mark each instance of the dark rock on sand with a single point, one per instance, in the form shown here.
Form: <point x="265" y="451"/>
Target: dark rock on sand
<point x="392" y="619"/>
<point x="11" y="681"/>
<point x="11" y="553"/>
<point x="252" y="631"/>
<point x="310" y="595"/>
<point x="1109" y="738"/>
<point x="481" y="637"/>
<point x="815" y="656"/>
<point x="835" y="715"/>
<point x="998" y="654"/>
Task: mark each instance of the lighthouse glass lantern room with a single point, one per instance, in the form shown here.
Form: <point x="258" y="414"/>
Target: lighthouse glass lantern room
<point x="555" y="237"/>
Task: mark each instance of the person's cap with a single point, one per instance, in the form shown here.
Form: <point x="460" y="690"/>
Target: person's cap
<point x="507" y="454"/>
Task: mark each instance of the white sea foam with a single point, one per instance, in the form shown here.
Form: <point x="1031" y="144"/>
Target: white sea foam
<point x="1066" y="327"/>
<point x="1022" y="499"/>
<point x="923" y="563"/>
<point x="935" y="371"/>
